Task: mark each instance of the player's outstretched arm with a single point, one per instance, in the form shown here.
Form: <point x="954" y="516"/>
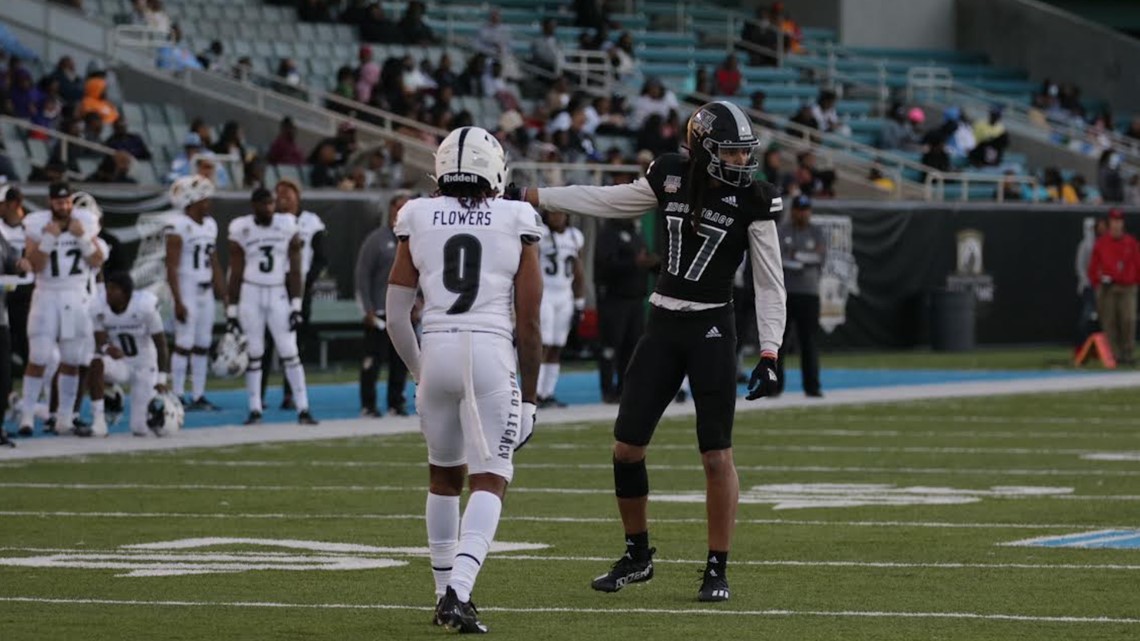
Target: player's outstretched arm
<point x="399" y="303"/>
<point x="528" y="297"/>
<point x="616" y="201"/>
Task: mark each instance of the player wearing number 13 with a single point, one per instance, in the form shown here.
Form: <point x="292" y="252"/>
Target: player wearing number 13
<point x="713" y="213"/>
<point x="63" y="252"/>
<point x="265" y="291"/>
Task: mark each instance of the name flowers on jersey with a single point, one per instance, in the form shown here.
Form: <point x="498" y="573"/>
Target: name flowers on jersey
<point x="468" y="217"/>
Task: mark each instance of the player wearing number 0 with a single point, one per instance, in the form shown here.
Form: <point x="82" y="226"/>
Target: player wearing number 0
<point x="714" y="214"/>
<point x="265" y="291"/>
<point x="63" y="253"/>
<point x="475" y="258"/>
<point x="194" y="276"/>
<point x="132" y="346"/>
<point x="562" y="284"/>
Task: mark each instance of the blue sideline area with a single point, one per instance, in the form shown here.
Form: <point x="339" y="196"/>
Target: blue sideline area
<point x="576" y="388"/>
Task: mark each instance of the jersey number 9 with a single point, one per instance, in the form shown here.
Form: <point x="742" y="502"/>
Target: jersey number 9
<point x="462" y="260"/>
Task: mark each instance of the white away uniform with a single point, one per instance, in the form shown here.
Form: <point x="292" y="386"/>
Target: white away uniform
<point x="59" y="313"/>
<point x="195" y="280"/>
<point x="95" y="291"/>
<point x="558" y="252"/>
<point x="265" y="301"/>
<point x="132" y="331"/>
<point x="14" y="235"/>
<point x="308" y="226"/>
<point x="468" y="396"/>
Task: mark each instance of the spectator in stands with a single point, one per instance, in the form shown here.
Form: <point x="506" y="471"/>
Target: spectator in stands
<point x="232" y="143"/>
<point x="496" y="86"/>
<point x="1086" y="194"/>
<point x="7" y="169"/>
<point x="444" y="75"/>
<point x="355" y="12"/>
<point x="24" y="95"/>
<point x="181" y="165"/>
<point x="826" y="116"/>
<point x="545" y="50"/>
<point x="284" y="150"/>
<point x="813" y="182"/>
<point x="494" y="38"/>
<point x="470" y="82"/>
<point x="804" y="118"/>
<point x="659" y="135"/>
<point x="699" y="87"/>
<point x="205" y="133"/>
<point x="413" y="28"/>
<point x="377" y="28"/>
<point x="1109" y="178"/>
<point x="175" y="56"/>
<point x="1011" y="190"/>
<point x="764" y="36"/>
<point x="213" y="58"/>
<point x="92" y="131"/>
<point x="325" y="172"/>
<point x="345" y="87"/>
<point x="1133" y="131"/>
<point x="122" y="138"/>
<point x="207" y="165"/>
<point x="314" y="11"/>
<point x="366" y="82"/>
<point x="899" y="131"/>
<point x="654" y="99"/>
<point x="622" y="57"/>
<point x="68" y="155"/>
<point x="610" y="121"/>
<point x="958" y="134"/>
<point x="343" y="145"/>
<point x="992" y="139"/>
<point x="756" y="101"/>
<point x="288" y="79"/>
<point x="243" y="69"/>
<point x="1113" y="271"/>
<point x="50" y="111"/>
<point x="70" y="82"/>
<point x="1056" y="188"/>
<point x="770" y="167"/>
<point x="156" y="17"/>
<point x="416" y="80"/>
<point x="728" y="76"/>
<point x="114" y="168"/>
<point x="880" y="181"/>
<point x="589" y="13"/>
<point x="138" y="12"/>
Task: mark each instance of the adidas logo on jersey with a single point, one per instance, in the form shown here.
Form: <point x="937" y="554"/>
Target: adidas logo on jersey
<point x="731" y="200"/>
<point x="713" y="333"/>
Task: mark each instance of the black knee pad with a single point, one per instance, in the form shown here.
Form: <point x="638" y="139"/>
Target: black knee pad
<point x="254" y="363"/>
<point x="631" y="480"/>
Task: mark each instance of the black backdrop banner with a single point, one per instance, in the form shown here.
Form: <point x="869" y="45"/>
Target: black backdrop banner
<point x="1017" y="259"/>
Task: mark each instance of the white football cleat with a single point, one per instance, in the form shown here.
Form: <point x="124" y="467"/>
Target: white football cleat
<point x="98" y="425"/>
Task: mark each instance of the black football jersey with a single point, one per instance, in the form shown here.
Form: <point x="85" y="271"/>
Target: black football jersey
<point x="698" y="263"/>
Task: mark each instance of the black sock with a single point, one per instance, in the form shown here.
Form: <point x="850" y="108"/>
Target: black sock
<point x="637" y="545"/>
<point x="717" y="560"/>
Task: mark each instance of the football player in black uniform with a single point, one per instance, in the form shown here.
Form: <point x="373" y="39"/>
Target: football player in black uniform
<point x="713" y="212"/>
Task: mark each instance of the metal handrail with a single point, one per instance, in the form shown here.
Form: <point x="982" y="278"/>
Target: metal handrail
<point x="65" y="139"/>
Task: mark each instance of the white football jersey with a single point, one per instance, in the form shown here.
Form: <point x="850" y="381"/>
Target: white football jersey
<point x="131" y="331"/>
<point x="65" y="270"/>
<point x="266" y="248"/>
<point x="308" y="226"/>
<point x="199" y="241"/>
<point x="559" y="251"/>
<point x="14" y="236"/>
<point x="467" y="260"/>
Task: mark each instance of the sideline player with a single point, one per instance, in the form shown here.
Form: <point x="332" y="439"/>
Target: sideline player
<point x="475" y="257"/>
<point x="713" y="214"/>
<point x="194" y="275"/>
<point x="265" y="291"/>
<point x="132" y="346"/>
<point x="562" y="298"/>
<point x="62" y="250"/>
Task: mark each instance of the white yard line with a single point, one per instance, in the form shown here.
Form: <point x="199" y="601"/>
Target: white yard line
<point x="350" y="428"/>
<point x="309" y="516"/>
<point x="868" y="614"/>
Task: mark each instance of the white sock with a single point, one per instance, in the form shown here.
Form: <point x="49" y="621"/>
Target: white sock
<point x="543" y="372"/>
<point x="295" y="372"/>
<point x="33" y="385"/>
<point x="442" y="514"/>
<point x="178" y="364"/>
<point x="97" y="409"/>
<point x="552" y="377"/>
<point x="480" y="521"/>
<point x="68" y="388"/>
<point x="253" y="386"/>
<point x="198" y="365"/>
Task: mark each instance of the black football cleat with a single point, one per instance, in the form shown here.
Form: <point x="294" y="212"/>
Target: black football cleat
<point x="370" y="412"/>
<point x="305" y="418"/>
<point x="83" y="430"/>
<point x="435" y="620"/>
<point x="49" y="427"/>
<point x="714" y="587"/>
<point x="5" y="440"/>
<point x="625" y="571"/>
<point x="399" y="410"/>
<point x="201" y="404"/>
<point x="458" y="617"/>
<point x="288" y="403"/>
<point x="26" y="431"/>
<point x="254" y="419"/>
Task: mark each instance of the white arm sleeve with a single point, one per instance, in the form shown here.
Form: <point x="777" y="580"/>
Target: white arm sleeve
<point x="399" y="303"/>
<point x="768" y="281"/>
<point x="617" y="201"/>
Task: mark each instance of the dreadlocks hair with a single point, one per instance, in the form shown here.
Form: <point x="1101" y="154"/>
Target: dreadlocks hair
<point x="122" y="280"/>
<point x="469" y="195"/>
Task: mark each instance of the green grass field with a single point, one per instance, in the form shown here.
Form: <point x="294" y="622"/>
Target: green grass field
<point x="915" y="570"/>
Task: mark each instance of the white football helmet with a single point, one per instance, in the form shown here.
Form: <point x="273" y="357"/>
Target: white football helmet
<point x="468" y="154"/>
<point x="231" y="359"/>
<point x="164" y="414"/>
<point x="188" y="190"/>
<point x="84" y="200"/>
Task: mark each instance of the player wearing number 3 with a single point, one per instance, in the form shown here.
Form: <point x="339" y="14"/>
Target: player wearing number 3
<point x="63" y="253"/>
<point x="714" y="214"/>
<point x="265" y="291"/>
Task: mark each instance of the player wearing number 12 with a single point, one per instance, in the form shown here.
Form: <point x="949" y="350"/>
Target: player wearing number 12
<point x="62" y="250"/>
<point x="265" y="291"/>
<point x="714" y="214"/>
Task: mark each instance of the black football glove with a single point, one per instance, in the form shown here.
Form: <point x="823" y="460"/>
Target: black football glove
<point x="295" y="321"/>
<point x="233" y="326"/>
<point x="512" y="192"/>
<point x="764" y="381"/>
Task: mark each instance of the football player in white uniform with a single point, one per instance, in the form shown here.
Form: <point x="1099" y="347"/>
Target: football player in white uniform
<point x="195" y="278"/>
<point x="265" y="291"/>
<point x="62" y="250"/>
<point x="562" y="298"/>
<point x="311" y="229"/>
<point x="475" y="257"/>
<point x="132" y="346"/>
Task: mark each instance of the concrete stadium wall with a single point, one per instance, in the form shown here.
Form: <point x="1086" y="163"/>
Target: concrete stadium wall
<point x="1051" y="43"/>
<point x="897" y="24"/>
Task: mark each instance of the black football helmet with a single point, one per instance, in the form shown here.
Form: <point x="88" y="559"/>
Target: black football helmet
<point x="719" y="127"/>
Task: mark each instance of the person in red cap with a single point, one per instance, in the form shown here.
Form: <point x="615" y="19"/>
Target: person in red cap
<point x="1114" y="271"/>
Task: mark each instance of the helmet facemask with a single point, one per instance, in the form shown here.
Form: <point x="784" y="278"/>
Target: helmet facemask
<point x="735" y="175"/>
